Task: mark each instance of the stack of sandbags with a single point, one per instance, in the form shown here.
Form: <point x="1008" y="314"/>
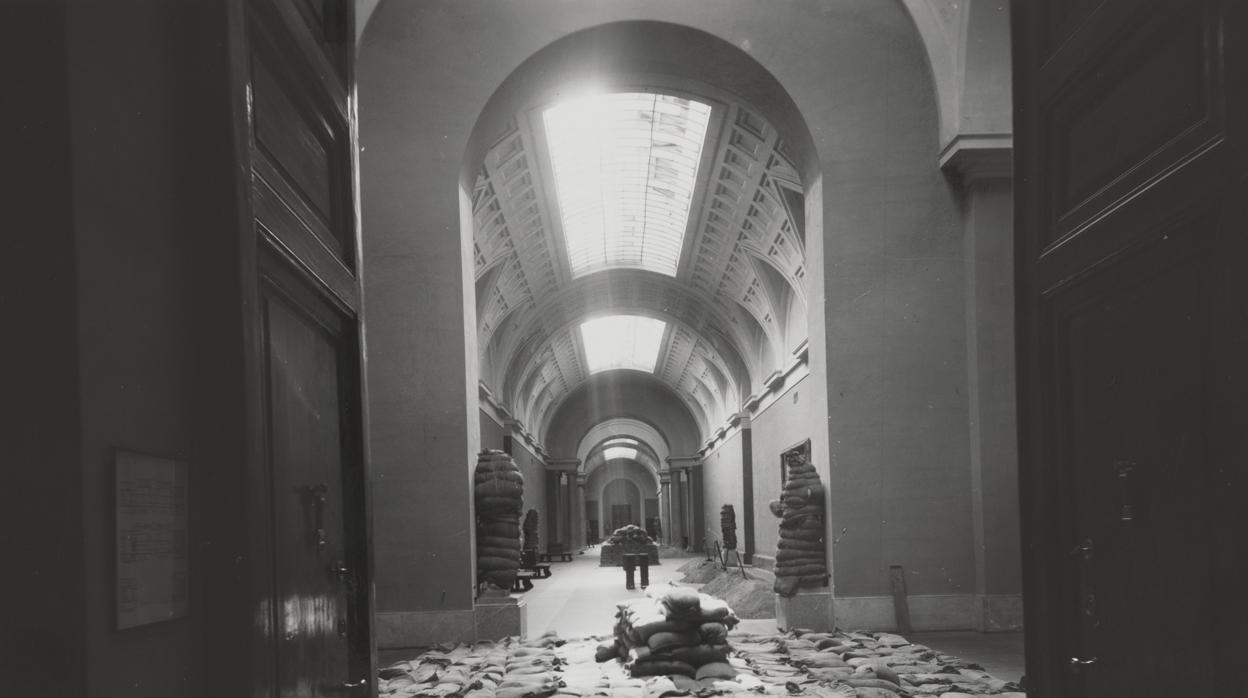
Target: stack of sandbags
<point x="728" y="525"/>
<point x="800" y="559"/>
<point x="673" y="631"/>
<point x="498" y="491"/>
<point x="530" y="528"/>
<point x="624" y="540"/>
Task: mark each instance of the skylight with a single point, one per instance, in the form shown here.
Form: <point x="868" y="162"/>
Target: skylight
<point x="620" y="452"/>
<point x="622" y="341"/>
<point x="625" y="167"/>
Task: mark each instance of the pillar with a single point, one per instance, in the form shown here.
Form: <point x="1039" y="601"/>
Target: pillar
<point x="665" y="507"/>
<point x="678" y="510"/>
<point x="697" y="518"/>
<point x="561" y="507"/>
<point x="983" y="170"/>
<point x="747" y="491"/>
<point x="577" y="492"/>
<point x="686" y="510"/>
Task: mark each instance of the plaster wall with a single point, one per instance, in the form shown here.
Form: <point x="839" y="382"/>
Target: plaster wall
<point x="635" y="396"/>
<point x="782" y="425"/>
<point x="492" y="432"/>
<point x="44" y="484"/>
<point x="132" y="338"/>
<point x="534" y="471"/>
<point x="723" y="484"/>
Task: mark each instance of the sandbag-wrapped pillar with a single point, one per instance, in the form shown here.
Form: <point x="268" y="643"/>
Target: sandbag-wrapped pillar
<point x="801" y="560"/>
<point x="498" y="490"/>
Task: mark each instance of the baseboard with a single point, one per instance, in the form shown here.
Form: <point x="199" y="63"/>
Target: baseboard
<point x="407" y="629"/>
<point x="934" y="612"/>
<point x="1000" y="613"/>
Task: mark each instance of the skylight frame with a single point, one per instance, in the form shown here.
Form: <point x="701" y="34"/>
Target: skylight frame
<point x="626" y="167"/>
<point x="624" y="452"/>
<point x="614" y="342"/>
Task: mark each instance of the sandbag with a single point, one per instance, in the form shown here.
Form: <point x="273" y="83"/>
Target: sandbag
<point x="714" y="609"/>
<point x="500" y="528"/>
<point x="663" y="640"/>
<point x="481" y="480"/>
<point x="713" y="633"/>
<point x="797" y="557"/>
<point x="697" y="655"/>
<point x="661" y="667"/>
<point x="803" y="542"/>
<point x="644" y="630"/>
<point x="809" y="536"/>
<point x="500" y="504"/>
<point x="716" y="670"/>
<point x="513" y="556"/>
<point x="498" y="487"/>
<point x="795" y="512"/>
<point x="677" y="600"/>
<point x="496" y="563"/>
<point x="809" y="570"/>
<point x="497" y="542"/>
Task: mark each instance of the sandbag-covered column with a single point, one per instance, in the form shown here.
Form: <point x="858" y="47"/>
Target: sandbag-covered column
<point x="498" y="489"/>
<point x="801" y="560"/>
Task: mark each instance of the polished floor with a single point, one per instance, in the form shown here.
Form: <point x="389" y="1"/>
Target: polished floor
<point x="579" y="600"/>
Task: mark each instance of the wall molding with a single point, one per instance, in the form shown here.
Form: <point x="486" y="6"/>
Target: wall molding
<point x="982" y="612"/>
<point x="755" y="405"/>
<point x="489" y="405"/>
<point x="409" y="629"/>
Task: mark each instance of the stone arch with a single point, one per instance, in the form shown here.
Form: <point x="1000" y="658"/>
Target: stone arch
<point x="883" y="230"/>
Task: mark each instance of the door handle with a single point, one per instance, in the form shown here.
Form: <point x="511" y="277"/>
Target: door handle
<point x="1083" y="550"/>
<point x="340" y="569"/>
<point x="354" y="684"/>
<point x="1077" y="663"/>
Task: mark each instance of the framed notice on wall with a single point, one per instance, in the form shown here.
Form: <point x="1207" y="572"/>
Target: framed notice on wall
<point x="152" y="559"/>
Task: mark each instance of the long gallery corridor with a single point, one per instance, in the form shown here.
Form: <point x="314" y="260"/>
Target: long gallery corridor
<point x="327" y="318"/>
<point x="578" y="604"/>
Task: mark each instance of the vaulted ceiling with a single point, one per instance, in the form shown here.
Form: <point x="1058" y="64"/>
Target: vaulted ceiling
<point x="733" y="309"/>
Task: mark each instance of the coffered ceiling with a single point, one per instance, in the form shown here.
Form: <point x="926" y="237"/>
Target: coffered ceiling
<point x="731" y="291"/>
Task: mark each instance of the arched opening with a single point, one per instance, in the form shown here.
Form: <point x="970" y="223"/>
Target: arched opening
<point x="832" y="307"/>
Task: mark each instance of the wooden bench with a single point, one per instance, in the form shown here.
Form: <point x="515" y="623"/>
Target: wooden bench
<point x="556" y="550"/>
<point x="523" y="582"/>
<point x="528" y="561"/>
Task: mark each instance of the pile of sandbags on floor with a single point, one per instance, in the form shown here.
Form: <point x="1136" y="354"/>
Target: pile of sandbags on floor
<point x="673" y="631"/>
<point x="509" y="668"/>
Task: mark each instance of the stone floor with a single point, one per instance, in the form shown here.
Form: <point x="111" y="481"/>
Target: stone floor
<point x="568" y="615"/>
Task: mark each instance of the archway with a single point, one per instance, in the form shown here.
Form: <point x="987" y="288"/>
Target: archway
<point x="879" y="385"/>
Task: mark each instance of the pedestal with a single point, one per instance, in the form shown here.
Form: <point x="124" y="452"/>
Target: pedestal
<point x="497" y="617"/>
<point x="810" y="609"/>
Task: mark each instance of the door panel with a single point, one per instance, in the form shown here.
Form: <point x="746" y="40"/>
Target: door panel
<point x="1130" y="162"/>
<point x="311" y="516"/>
<point x="306" y="445"/>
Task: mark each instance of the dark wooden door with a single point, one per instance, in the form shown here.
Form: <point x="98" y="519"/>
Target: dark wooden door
<point x="1130" y="171"/>
<point x="294" y="64"/>
<point x="314" y="469"/>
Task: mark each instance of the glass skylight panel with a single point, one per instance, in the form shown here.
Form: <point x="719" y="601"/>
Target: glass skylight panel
<point x="625" y="168"/>
<point x="619" y="452"/>
<point x="622" y="341"/>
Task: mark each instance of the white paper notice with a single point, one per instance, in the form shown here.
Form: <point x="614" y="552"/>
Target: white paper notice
<point x="152" y="565"/>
